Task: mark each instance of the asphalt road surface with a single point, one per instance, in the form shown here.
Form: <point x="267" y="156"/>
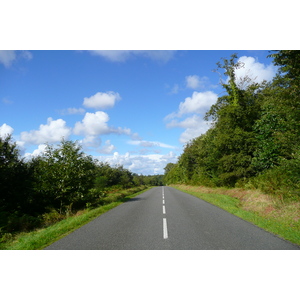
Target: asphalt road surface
<point x="165" y="218"/>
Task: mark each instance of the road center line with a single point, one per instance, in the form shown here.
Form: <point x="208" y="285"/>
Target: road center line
<point x="165" y="229"/>
<point x="164" y="210"/>
<point x="163" y="202"/>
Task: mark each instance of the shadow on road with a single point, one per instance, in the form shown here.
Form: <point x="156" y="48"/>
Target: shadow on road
<point x="132" y="199"/>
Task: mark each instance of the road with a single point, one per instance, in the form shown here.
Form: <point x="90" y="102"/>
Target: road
<point x="165" y="218"/>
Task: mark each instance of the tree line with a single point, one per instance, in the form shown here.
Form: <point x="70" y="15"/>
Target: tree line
<point x="60" y="181"/>
<point x="254" y="139"/>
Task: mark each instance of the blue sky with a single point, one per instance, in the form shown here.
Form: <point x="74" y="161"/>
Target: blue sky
<point x="135" y="108"/>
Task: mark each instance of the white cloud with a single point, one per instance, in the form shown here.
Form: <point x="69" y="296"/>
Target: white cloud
<point x="200" y="102"/>
<point x="136" y="137"/>
<point x="107" y="148"/>
<point x="193" y="132"/>
<point x="148" y="144"/>
<point x="93" y="143"/>
<point x="192" y="82"/>
<point x="195" y="82"/>
<point x="102" y="100"/>
<point x="7" y="57"/>
<point x="194" y="127"/>
<point x="254" y="70"/>
<point x="123" y="55"/>
<point x="96" y="124"/>
<point x="40" y="150"/>
<point x="51" y="132"/>
<point x="93" y="124"/>
<point x="5" y="130"/>
<point x="141" y="164"/>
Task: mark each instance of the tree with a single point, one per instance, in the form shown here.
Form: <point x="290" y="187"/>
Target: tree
<point x="234" y="116"/>
<point x="278" y="128"/>
<point x="288" y="62"/>
<point x="63" y="176"/>
<point x="15" y="184"/>
<point x="168" y="167"/>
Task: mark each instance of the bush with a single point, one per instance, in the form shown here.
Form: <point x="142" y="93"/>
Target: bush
<point x="22" y="223"/>
<point x="52" y="217"/>
<point x="282" y="181"/>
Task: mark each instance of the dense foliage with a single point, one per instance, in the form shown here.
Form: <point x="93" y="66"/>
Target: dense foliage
<point x="255" y="136"/>
<point x="55" y="184"/>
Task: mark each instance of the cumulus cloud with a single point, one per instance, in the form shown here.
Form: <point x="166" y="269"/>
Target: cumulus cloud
<point x="200" y="102"/>
<point x="93" y="143"/>
<point x="194" y="109"/>
<point x="194" y="126"/>
<point x="5" y="130"/>
<point x="124" y="55"/>
<point x="195" y="82"/>
<point x="93" y="124"/>
<point x="40" y="150"/>
<point x="108" y="148"/>
<point x="192" y="82"/>
<point x="96" y="124"/>
<point x="197" y="103"/>
<point x="8" y="57"/>
<point x="193" y="132"/>
<point x="52" y="132"/>
<point x="141" y="164"/>
<point x="255" y="70"/>
<point x="102" y="100"/>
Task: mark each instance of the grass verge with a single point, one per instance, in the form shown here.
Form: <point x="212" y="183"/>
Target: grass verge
<point x="254" y="207"/>
<point x="41" y="238"/>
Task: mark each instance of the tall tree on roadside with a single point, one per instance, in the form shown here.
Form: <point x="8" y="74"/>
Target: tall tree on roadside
<point x="278" y="129"/>
<point x="15" y="185"/>
<point x="234" y="115"/>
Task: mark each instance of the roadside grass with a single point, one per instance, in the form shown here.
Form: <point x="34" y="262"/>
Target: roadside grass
<point x="255" y="207"/>
<point x="41" y="238"/>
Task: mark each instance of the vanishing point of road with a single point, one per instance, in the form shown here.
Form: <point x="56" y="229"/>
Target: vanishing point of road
<point x="164" y="218"/>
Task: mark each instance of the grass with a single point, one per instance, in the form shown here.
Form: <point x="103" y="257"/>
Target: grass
<point x="253" y="206"/>
<point x="41" y="238"/>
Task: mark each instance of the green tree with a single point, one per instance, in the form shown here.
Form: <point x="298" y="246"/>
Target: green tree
<point x="278" y="128"/>
<point x="168" y="167"/>
<point x="63" y="176"/>
<point x="15" y="185"/>
<point x="288" y="62"/>
<point x="234" y="116"/>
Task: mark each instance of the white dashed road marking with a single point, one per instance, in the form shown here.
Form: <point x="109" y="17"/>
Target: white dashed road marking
<point x="165" y="229"/>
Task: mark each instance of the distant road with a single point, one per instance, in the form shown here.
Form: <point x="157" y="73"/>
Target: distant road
<point x="165" y="218"/>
